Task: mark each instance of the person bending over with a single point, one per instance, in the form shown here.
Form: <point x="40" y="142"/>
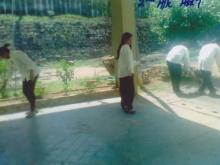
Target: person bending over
<point x="208" y="54"/>
<point x="19" y="61"/>
<point x="177" y="58"/>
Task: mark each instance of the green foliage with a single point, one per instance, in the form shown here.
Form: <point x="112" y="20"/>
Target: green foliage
<point x="98" y="81"/>
<point x="65" y="73"/>
<point x="94" y="62"/>
<point x="3" y="80"/>
<point x="75" y="36"/>
<point x="3" y="68"/>
<point x="150" y="35"/>
<point x="90" y="84"/>
<point x="80" y="84"/>
<point x="188" y="24"/>
<point x="157" y="28"/>
<point x="39" y="90"/>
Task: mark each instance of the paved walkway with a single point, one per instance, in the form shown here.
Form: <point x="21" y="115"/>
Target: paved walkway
<point x="162" y="132"/>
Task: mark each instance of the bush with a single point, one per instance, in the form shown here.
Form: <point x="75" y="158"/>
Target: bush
<point x="65" y="73"/>
<point x="3" y="80"/>
<point x="188" y="24"/>
<point x="73" y="36"/>
<point x="161" y="28"/>
<point x="150" y="35"/>
<point x="39" y="90"/>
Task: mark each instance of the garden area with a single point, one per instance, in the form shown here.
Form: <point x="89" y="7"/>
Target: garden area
<point x="62" y="77"/>
<point x="69" y="50"/>
<point x="158" y="30"/>
<point x="69" y="41"/>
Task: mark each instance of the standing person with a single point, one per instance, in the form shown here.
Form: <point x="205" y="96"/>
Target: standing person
<point x="18" y="60"/>
<point x="126" y="72"/>
<point x="177" y="57"/>
<point x="207" y="56"/>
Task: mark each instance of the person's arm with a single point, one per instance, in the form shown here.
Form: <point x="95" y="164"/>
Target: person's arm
<point x="31" y="74"/>
<point x="127" y="57"/>
<point x="217" y="57"/>
<point x="27" y="63"/>
<point x="136" y="63"/>
<point x="130" y="61"/>
<point x="218" y="61"/>
<point x="186" y="60"/>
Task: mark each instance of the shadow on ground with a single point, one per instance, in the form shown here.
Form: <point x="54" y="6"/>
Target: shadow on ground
<point x="104" y="135"/>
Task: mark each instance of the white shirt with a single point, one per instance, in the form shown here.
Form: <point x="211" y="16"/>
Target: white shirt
<point x="179" y="55"/>
<point x="19" y="61"/>
<point x="208" y="55"/>
<point x="125" y="62"/>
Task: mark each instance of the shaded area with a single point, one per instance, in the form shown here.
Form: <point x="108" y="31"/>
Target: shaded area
<point x="162" y="103"/>
<point x="105" y="135"/>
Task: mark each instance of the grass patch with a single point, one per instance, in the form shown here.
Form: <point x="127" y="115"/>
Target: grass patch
<point x="57" y="86"/>
<point x="96" y="62"/>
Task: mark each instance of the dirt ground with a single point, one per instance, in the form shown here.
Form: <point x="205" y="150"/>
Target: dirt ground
<point x="152" y="70"/>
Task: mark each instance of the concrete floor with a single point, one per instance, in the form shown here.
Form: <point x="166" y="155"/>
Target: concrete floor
<point x="162" y="132"/>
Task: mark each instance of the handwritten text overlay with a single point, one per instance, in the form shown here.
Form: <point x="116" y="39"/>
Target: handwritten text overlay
<point x="162" y="4"/>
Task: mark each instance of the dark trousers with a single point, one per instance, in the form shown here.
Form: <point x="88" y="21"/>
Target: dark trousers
<point x="206" y="81"/>
<point x="175" y="75"/>
<point x="127" y="92"/>
<point x="28" y="90"/>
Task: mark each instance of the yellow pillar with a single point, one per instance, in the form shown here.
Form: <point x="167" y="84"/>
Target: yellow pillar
<point x="123" y="20"/>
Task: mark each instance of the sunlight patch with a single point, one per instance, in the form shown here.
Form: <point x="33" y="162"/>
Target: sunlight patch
<point x="63" y="108"/>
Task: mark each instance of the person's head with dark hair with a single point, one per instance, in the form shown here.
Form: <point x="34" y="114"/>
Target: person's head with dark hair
<point x="4" y="51"/>
<point x="125" y="39"/>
